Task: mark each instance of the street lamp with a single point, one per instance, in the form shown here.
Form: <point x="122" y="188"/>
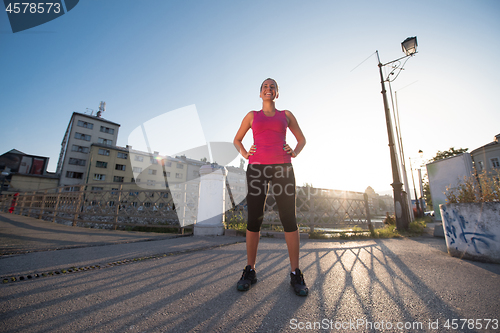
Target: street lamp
<point x="401" y="208"/>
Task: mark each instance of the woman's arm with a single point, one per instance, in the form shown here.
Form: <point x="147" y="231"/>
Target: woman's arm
<point x="294" y="127"/>
<point x="246" y="124"/>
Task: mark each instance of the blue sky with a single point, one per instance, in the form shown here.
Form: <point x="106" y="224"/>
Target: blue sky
<point x="145" y="58"/>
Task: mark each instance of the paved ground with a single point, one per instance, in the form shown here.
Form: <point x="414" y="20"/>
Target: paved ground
<point x="188" y="284"/>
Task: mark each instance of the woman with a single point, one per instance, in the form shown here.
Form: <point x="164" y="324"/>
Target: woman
<point x="270" y="167"/>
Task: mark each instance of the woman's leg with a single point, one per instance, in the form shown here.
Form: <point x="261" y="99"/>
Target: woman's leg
<point x="283" y="187"/>
<point x="252" y="239"/>
<point x="292" y="239"/>
<point x="256" y="200"/>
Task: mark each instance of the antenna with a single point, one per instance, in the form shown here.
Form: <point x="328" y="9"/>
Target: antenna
<point x="102" y="108"/>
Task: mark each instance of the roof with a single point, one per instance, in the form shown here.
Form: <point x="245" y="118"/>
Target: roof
<point x="110" y="147"/>
<point x="15" y="151"/>
<point x="96" y="118"/>
<point x="491" y="144"/>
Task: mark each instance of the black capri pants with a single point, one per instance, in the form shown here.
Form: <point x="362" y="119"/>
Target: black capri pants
<point x="280" y="179"/>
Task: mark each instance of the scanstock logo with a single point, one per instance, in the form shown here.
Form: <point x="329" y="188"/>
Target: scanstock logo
<point x="26" y="14"/>
<point x="180" y="133"/>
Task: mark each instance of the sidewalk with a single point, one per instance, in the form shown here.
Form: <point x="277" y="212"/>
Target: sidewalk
<point x="188" y="284"/>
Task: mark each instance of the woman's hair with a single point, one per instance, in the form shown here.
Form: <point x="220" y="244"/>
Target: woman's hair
<point x="276" y="83"/>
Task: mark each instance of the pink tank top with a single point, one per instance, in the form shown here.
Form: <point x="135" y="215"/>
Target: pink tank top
<point x="269" y="136"/>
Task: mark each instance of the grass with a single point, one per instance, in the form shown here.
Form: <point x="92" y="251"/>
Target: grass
<point x="155" y="229"/>
<point x="415" y="229"/>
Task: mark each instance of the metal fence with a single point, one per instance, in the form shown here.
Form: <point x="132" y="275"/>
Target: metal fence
<point x="176" y="207"/>
<point x="318" y="208"/>
<point x="125" y="205"/>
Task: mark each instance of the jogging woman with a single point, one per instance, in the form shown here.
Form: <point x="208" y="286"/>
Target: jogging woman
<point x="270" y="169"/>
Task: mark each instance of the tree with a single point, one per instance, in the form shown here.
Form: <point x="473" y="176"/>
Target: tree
<point x="440" y="155"/>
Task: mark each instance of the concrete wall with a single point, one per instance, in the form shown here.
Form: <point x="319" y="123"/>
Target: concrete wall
<point x="26" y="183"/>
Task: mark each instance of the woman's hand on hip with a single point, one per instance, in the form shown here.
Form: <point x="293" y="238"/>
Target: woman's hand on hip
<point x="289" y="150"/>
<point x="252" y="150"/>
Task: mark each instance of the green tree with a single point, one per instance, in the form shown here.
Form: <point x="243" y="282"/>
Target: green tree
<point x="440" y="155"/>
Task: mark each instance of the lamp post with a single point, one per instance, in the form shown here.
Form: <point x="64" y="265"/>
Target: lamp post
<point x="409" y="47"/>
<point x="415" y="192"/>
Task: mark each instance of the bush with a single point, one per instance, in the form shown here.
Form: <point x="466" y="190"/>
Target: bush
<point x="481" y="188"/>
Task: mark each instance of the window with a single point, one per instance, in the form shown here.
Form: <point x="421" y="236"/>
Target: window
<point x="152" y="172"/>
<point x="122" y="155"/>
<point x="104" y="152"/>
<point x="167" y="174"/>
<point x="76" y="175"/>
<point x="132" y="180"/>
<point x="495" y="163"/>
<point x="480" y="165"/>
<point x="85" y="124"/>
<point x="153" y="160"/>
<point x="118" y="179"/>
<point x="111" y="203"/>
<point x="151" y="182"/>
<point x="169" y="164"/>
<point x="180" y="166"/>
<point x="98" y="176"/>
<point x="105" y="141"/>
<point x="97" y="188"/>
<point x="138" y="158"/>
<point x="80" y="149"/>
<point x="133" y="194"/>
<point x="137" y="170"/>
<point x="165" y="194"/>
<point x="147" y="204"/>
<point x="100" y="164"/>
<point x="120" y="167"/>
<point x="178" y="175"/>
<point x="76" y="161"/>
<point x="107" y="130"/>
<point x="81" y="136"/>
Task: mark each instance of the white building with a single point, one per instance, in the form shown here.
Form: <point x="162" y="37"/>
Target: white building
<point x="83" y="130"/>
<point x="487" y="157"/>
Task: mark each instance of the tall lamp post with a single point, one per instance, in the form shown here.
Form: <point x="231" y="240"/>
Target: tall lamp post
<point x="417" y="204"/>
<point x="401" y="208"/>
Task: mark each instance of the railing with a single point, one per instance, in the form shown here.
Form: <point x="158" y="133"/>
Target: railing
<point x="176" y="207"/>
<point x="125" y="205"/>
<point x="319" y="208"/>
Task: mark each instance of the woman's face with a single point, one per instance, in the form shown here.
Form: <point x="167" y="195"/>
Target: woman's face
<point x="269" y="90"/>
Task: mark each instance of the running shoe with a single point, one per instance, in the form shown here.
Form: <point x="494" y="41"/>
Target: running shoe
<point x="248" y="278"/>
<point x="298" y="283"/>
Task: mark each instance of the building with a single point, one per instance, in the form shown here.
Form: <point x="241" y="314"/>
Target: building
<point x="487" y="157"/>
<point x="236" y="178"/>
<point x="23" y="172"/>
<point x="379" y="204"/>
<point x="83" y="131"/>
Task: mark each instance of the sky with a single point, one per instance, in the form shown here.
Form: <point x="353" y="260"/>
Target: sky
<point x="148" y="58"/>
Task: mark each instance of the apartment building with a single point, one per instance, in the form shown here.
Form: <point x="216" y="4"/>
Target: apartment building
<point x="487" y="157"/>
<point x="83" y="131"/>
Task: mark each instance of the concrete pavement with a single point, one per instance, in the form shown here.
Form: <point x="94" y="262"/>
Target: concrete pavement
<point x="188" y="284"/>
